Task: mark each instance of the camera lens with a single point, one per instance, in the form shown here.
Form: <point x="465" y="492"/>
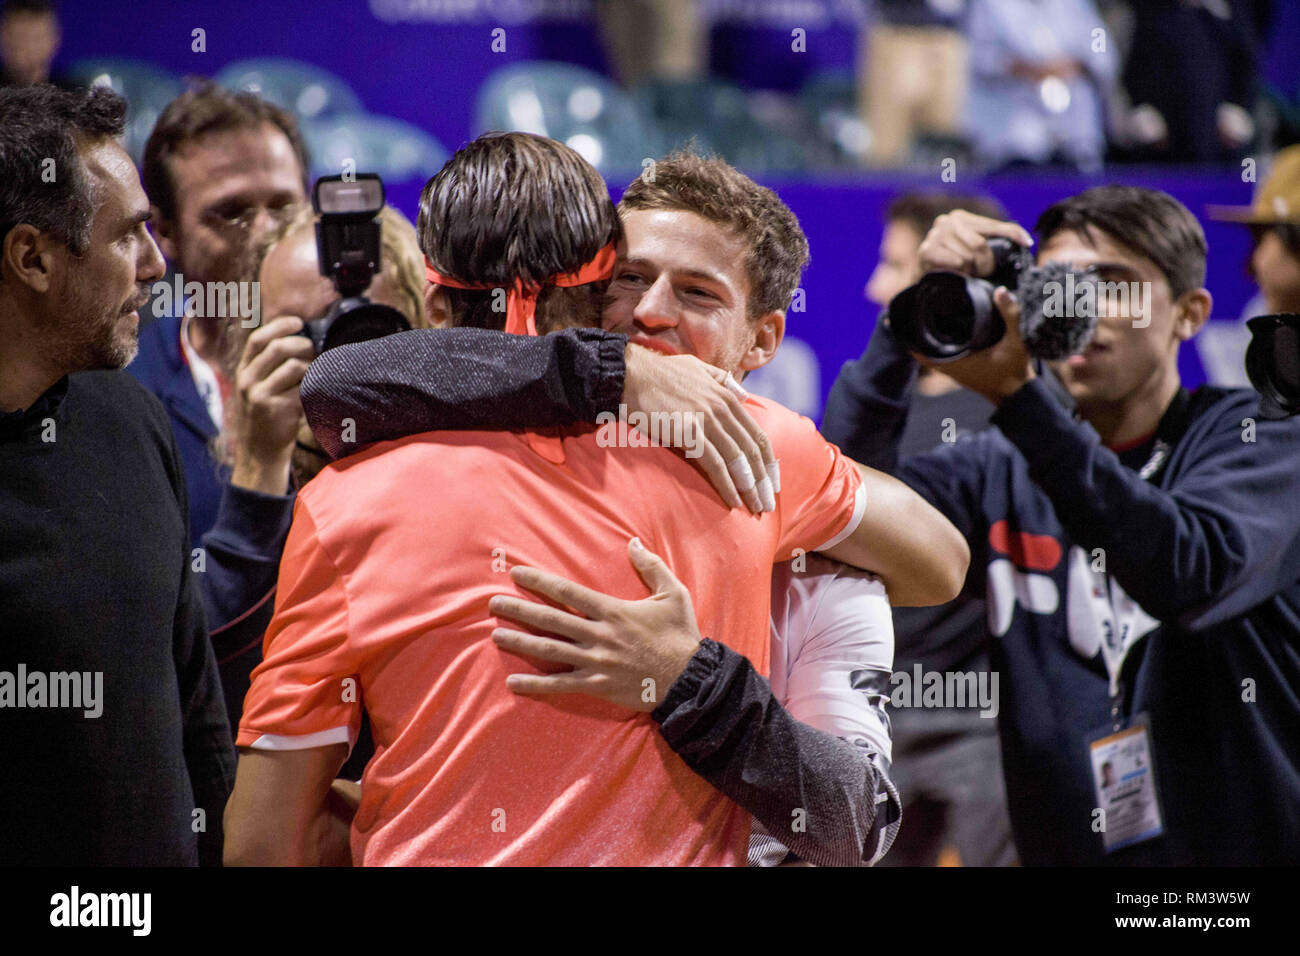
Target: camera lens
<point x="946" y="316"/>
<point x="363" y="323"/>
<point x="1286" y="359"/>
<point x="1273" y="363"/>
<point x="950" y="323"/>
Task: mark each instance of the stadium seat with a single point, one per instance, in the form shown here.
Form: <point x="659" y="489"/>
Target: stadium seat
<point x="393" y="148"/>
<point x="147" y="89"/>
<point x="712" y="113"/>
<point x="759" y="133"/>
<point x="830" y="101"/>
<point x="308" y="91"/>
<point x="571" y="104"/>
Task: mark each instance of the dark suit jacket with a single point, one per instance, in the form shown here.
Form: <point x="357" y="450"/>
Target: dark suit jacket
<point x="161" y="369"/>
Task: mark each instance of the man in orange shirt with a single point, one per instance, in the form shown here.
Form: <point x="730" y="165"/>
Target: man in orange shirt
<point x="389" y="605"/>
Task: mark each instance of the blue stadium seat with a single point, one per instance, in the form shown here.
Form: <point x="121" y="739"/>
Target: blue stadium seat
<point x="712" y="113"/>
<point x="306" y="90"/>
<point x="759" y="133"/>
<point x="571" y="104"/>
<point x="830" y="101"/>
<point x="393" y="148"/>
<point x="147" y="89"/>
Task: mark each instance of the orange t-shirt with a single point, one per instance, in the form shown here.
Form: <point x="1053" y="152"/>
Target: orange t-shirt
<point x="382" y="601"/>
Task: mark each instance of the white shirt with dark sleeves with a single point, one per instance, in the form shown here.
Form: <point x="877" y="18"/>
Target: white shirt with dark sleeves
<point x="831" y="660"/>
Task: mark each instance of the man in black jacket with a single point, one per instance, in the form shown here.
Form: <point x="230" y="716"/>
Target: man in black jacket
<point x="1140" y="559"/>
<point x="115" y="743"/>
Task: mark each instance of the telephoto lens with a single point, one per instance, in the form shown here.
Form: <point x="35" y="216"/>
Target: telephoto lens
<point x="354" y="319"/>
<point x="947" y="316"/>
<point x="1273" y="363"/>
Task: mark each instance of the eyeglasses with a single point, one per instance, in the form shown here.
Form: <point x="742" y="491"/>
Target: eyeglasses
<point x="242" y="222"/>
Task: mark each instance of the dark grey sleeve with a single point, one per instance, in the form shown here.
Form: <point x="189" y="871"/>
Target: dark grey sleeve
<point x="462" y="378"/>
<point x="827" y="800"/>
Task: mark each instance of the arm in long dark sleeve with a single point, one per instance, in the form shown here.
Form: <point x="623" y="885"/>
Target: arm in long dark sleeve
<point x="242" y="554"/>
<point x="460" y="378"/>
<point x="808" y="786"/>
<point x="868" y="404"/>
<point x="206" y="739"/>
<point x="241" y="561"/>
<point x="1223" y="537"/>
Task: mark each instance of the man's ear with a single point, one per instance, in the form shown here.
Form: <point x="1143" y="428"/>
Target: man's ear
<point x="1192" y="310"/>
<point x="164" y="231"/>
<point x="437" y="310"/>
<point x="769" y="330"/>
<point x="32" y="257"/>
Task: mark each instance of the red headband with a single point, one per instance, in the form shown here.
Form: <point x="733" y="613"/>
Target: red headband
<point x="521" y="300"/>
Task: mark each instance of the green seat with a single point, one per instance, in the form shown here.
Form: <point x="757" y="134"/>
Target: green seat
<point x="759" y="133"/>
<point x="393" y="148"/>
<point x="573" y="105"/>
<point x="830" y="102"/>
<point x="306" y="90"/>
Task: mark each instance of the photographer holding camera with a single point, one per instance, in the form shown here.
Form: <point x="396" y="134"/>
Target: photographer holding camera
<point x="370" y="284"/>
<point x="1140" y="557"/>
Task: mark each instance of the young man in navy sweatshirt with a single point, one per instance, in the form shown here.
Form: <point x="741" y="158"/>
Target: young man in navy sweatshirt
<point x="1140" y="557"/>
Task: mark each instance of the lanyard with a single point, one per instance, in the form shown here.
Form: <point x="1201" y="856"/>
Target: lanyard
<point x="1121" y="619"/>
<point x="205" y="377"/>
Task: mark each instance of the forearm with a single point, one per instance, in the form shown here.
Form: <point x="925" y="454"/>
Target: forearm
<point x="1218" y="540"/>
<point x="286" y="810"/>
<point x="256" y="837"/>
<point x="432" y="379"/>
<point x="813" y="791"/>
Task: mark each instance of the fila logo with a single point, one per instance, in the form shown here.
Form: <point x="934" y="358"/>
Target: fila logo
<point x="1017" y="577"/>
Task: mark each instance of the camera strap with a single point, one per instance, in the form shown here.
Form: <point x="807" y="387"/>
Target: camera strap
<point x="521" y="299"/>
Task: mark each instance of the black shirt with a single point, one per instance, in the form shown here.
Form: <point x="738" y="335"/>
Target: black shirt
<point x="96" y="585"/>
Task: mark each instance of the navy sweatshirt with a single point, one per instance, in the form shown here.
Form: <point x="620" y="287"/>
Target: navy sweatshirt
<point x="96" y="579"/>
<point x="1209" y="549"/>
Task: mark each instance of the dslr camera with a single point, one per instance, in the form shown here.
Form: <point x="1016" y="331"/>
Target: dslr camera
<point x="348" y="250"/>
<point x="948" y="316"/>
<point x="1273" y="363"/>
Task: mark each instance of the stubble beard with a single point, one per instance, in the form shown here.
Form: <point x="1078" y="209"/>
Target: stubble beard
<point x="93" y="336"/>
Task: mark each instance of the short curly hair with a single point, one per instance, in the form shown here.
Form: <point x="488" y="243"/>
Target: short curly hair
<point x="42" y="180"/>
<point x="717" y="191"/>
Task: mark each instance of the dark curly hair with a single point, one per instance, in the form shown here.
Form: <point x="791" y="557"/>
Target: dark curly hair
<point x="42" y="180"/>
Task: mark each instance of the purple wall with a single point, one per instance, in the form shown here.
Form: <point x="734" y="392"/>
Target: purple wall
<point x="428" y="74"/>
